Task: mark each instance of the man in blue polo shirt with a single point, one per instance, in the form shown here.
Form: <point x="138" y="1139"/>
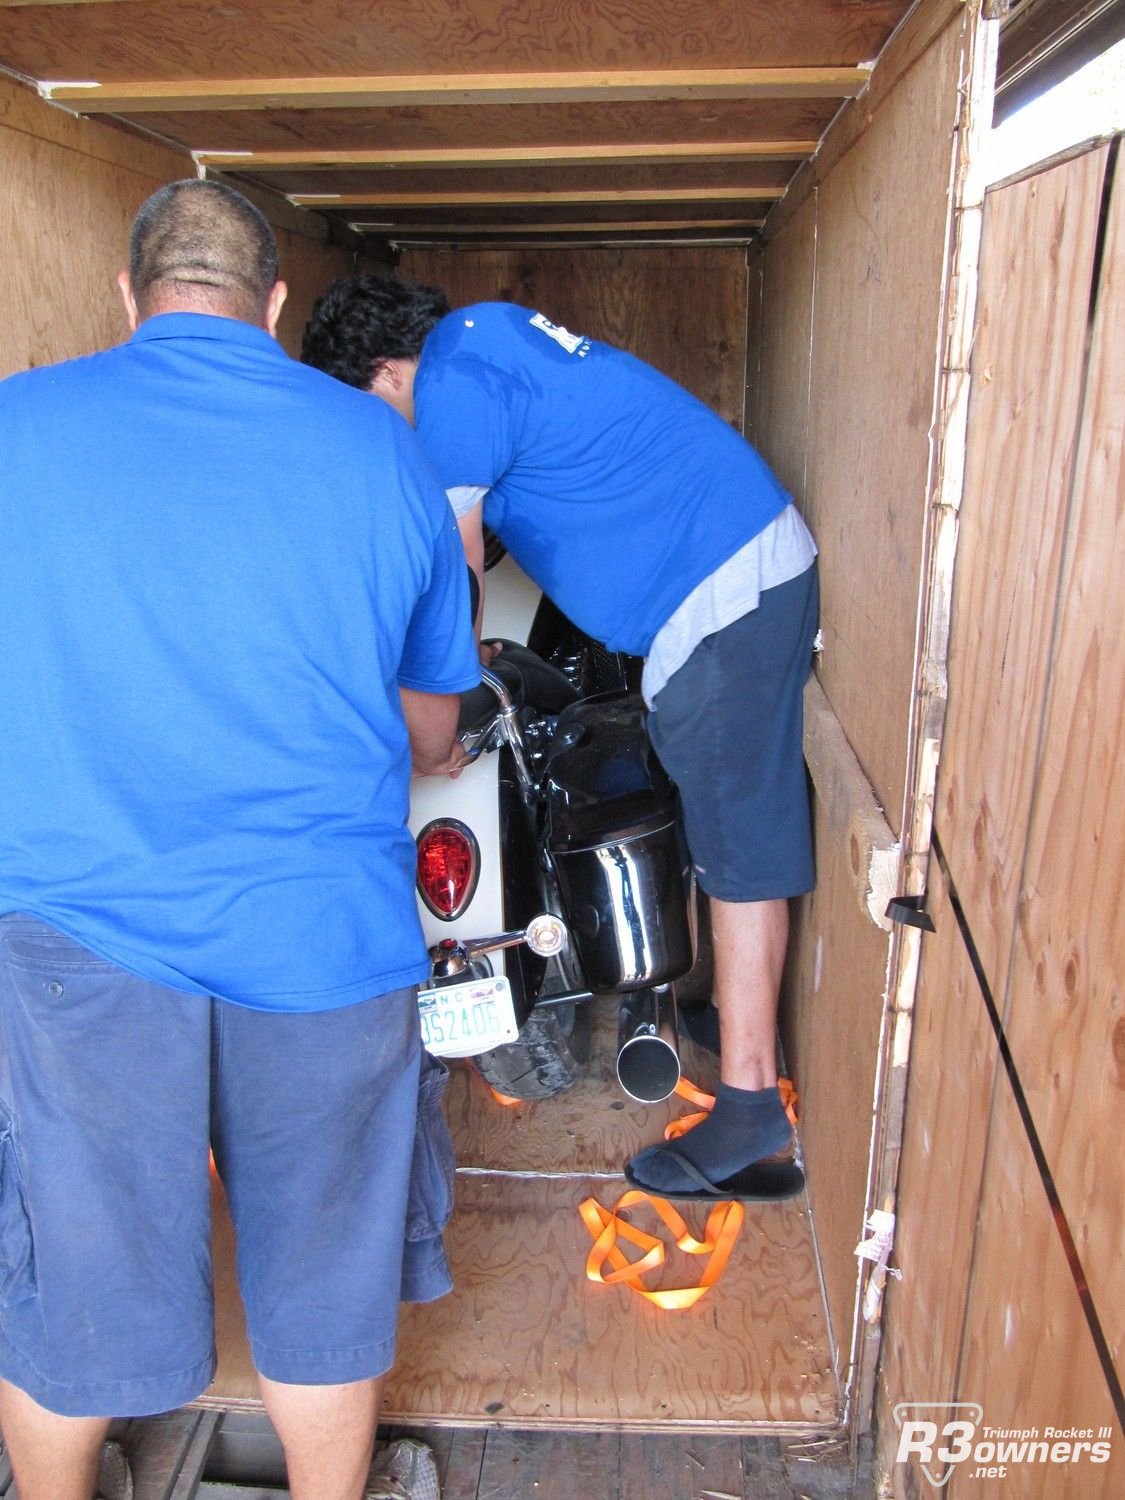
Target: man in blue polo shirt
<point x="234" y="607"/>
<point x="659" y="531"/>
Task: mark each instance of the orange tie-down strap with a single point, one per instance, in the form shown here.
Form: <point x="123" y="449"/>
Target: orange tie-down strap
<point x="706" y="1102"/>
<point x="507" y="1100"/>
<point x="606" y="1227"/>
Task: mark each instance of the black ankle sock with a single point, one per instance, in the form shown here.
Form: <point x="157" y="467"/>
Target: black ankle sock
<point x="744" y="1126"/>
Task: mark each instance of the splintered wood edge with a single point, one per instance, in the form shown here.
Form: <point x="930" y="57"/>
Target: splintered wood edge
<point x="847" y="801"/>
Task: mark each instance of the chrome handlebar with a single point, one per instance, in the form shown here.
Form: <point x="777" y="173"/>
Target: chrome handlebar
<point x="504" y="728"/>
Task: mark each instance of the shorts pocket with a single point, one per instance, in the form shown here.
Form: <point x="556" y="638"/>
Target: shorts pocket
<point x="40" y="949"/>
<point x="430" y="1202"/>
<point x="17" y="1261"/>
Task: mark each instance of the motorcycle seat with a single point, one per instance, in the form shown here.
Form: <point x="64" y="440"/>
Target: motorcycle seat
<point x="531" y="681"/>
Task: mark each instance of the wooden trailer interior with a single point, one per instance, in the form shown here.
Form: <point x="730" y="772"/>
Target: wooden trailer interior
<point x="778" y="205"/>
<point x="1009" y="1235"/>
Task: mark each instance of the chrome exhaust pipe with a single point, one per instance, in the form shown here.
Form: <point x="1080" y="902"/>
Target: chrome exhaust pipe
<point x="648" y="1056"/>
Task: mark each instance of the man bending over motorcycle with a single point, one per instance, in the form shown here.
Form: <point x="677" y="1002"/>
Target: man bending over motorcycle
<point x="658" y="530"/>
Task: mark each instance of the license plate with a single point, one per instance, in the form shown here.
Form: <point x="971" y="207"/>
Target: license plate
<point x="463" y="1019"/>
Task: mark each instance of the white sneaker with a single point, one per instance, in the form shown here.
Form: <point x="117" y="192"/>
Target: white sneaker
<point x="115" y="1481"/>
<point x="404" y="1470"/>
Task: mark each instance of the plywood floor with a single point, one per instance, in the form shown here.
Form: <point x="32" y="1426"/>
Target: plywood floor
<point x="526" y="1340"/>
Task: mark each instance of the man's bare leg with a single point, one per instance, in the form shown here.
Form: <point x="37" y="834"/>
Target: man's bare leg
<point x="328" y="1433"/>
<point x="53" y="1457"/>
<point x="736" y="1148"/>
<point x="750" y="939"/>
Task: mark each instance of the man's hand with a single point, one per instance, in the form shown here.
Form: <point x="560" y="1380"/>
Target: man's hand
<point x="453" y="767"/>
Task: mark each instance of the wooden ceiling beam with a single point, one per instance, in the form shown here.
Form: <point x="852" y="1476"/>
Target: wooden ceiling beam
<point x="603" y="86"/>
<point x="513" y="200"/>
<point x="597" y="226"/>
<point x="474" y="127"/>
<point x="620" y="154"/>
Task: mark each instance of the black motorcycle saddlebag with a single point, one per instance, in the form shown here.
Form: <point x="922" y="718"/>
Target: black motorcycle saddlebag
<point x="616" y="838"/>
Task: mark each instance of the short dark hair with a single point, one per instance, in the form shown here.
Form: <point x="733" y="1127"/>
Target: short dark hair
<point x="201" y="241"/>
<point x="361" y="321"/>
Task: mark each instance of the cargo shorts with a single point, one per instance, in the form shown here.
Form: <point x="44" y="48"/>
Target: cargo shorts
<point x="112" y="1088"/>
<point x="728" y="728"/>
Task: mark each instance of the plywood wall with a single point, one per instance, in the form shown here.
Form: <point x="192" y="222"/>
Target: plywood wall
<point x="842" y="399"/>
<point x="853" y="285"/>
<point x="681" y="309"/>
<point x="781" y="373"/>
<point x="846" y="311"/>
<point x="68" y="191"/>
<point x="1012" y="1184"/>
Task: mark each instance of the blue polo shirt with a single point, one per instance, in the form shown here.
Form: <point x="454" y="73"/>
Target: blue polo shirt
<point x="612" y="486"/>
<point x="218" y="567"/>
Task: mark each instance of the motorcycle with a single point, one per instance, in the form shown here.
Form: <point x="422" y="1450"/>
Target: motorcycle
<point x="553" y="872"/>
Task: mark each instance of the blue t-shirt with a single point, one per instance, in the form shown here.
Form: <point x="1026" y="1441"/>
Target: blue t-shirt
<point x="613" y="487"/>
<point x="218" y="566"/>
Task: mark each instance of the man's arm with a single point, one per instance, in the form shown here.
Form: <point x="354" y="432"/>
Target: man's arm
<point x="431" y="721"/>
<point x="471" y="527"/>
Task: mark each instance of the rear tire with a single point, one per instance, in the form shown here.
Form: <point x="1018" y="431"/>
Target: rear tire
<point x="547" y="1058"/>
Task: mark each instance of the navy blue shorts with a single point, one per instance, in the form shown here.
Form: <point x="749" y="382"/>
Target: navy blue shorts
<point x="111" y="1088"/>
<point x="728" y="728"/>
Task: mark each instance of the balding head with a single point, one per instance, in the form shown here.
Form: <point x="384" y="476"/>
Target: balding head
<point x="199" y="246"/>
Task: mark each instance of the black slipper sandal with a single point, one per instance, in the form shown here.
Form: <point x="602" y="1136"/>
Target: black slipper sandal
<point x="701" y="1023"/>
<point x="767" y="1181"/>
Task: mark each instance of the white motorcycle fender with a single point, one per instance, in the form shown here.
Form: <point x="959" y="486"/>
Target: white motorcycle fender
<point x="510" y="602"/>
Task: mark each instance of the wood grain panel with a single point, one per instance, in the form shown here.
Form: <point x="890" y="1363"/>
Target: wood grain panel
<point x="459" y="158"/>
<point x="878" y="223"/>
<point x="528" y="1331"/>
<point x="1065" y="1007"/>
<point x="683" y="310"/>
<point x="846" y="805"/>
<point x="447" y="201"/>
<point x="528" y="1341"/>
<point x="781" y="395"/>
<point x="462" y="1470"/>
<point x="67" y="204"/>
<point x="498" y="124"/>
<point x="592" y="1129"/>
<point x="307" y="266"/>
<point x="831" y="1014"/>
<point x="1029" y="787"/>
<point x="548" y="1466"/>
<point x="569" y="236"/>
<point x="68" y="193"/>
<point x="22" y="110"/>
<point x="438" y="90"/>
<point x="191" y="38"/>
<point x="755" y="316"/>
<point x="1029" y="1360"/>
<point x="401" y="222"/>
<point x="478" y="1464"/>
<point x="1028" y="362"/>
<point x="882" y="220"/>
<point x="723" y="179"/>
<point x="953" y="1062"/>
<point x="921" y="25"/>
<point x="578" y="236"/>
<point x="654" y="1468"/>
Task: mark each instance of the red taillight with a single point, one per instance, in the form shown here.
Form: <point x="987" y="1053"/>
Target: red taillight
<point x="448" y="867"/>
